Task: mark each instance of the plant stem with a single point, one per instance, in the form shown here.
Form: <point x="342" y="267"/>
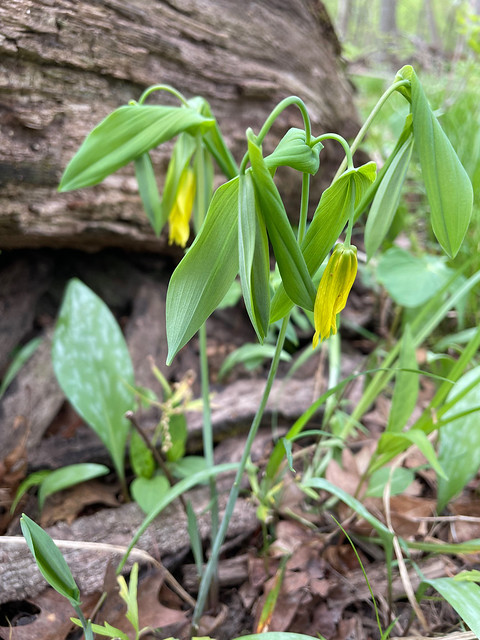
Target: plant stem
<point x="232" y="498"/>
<point x="343" y="142"/>
<point x="87" y="627"/>
<point x="281" y="106"/>
<point x="163" y="87"/>
<point x="361" y="134"/>
<point x="207" y="434"/>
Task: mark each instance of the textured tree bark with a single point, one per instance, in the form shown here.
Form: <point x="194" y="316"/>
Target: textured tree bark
<point x="65" y="64"/>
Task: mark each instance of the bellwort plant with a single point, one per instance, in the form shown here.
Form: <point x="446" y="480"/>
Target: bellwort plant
<point x="237" y="226"/>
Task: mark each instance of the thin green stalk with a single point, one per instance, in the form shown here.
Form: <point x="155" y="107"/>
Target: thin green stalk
<point x="87" y="627"/>
<point x="207" y="435"/>
<point x="163" y="87"/>
<point x="361" y="134"/>
<point x="348" y="151"/>
<point x="232" y="498"/>
<point x="281" y="106"/>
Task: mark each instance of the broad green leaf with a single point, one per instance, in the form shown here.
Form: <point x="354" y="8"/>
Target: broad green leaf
<point x="464" y="597"/>
<point x="141" y="457"/>
<point x="93" y="367"/>
<point x="49" y="560"/>
<point x="125" y="134"/>
<point x="148" y="491"/>
<point x="405" y="392"/>
<point x="397" y="269"/>
<point x="260" y="289"/>
<point x="69" y="476"/>
<point x="398" y="442"/>
<point x="147" y="187"/>
<point x="293" y="151"/>
<point x="34" y="479"/>
<point x="401" y="479"/>
<point x="291" y="264"/>
<point x="173" y="493"/>
<point x="247" y="224"/>
<point x="180" y="159"/>
<point x="205" y="274"/>
<point x="385" y="203"/>
<point x="330" y="217"/>
<point x="459" y="449"/>
<point x="448" y="186"/>
<point x="254" y="261"/>
<point x="21" y="357"/>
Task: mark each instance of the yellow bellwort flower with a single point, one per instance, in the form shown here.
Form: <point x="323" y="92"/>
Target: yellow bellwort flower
<point x="333" y="290"/>
<point x="179" y="216"/>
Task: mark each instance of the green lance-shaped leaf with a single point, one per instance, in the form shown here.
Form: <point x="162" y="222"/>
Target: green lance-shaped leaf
<point x="330" y="217"/>
<point x="69" y="476"/>
<point x="205" y="274"/>
<point x="291" y="264"/>
<point x="405" y="392"/>
<point x="93" y="367"/>
<point x="385" y="203"/>
<point x="253" y="257"/>
<point x="459" y="452"/>
<point x="293" y="151"/>
<point x="49" y="560"/>
<point x="147" y="187"/>
<point x="125" y="134"/>
<point x="448" y="186"/>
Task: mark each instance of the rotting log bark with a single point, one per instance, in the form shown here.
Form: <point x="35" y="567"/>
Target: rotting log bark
<point x="65" y="64"/>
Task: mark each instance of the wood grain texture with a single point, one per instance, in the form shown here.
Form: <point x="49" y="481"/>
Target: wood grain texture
<point x="65" y="64"/>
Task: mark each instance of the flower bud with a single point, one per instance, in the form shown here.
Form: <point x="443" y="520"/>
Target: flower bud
<point x="333" y="290"/>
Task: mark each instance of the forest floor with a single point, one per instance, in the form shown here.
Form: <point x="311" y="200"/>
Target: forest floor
<point x="299" y="550"/>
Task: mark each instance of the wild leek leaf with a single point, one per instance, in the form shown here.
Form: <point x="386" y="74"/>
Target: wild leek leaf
<point x="125" y="134"/>
<point x="49" y="560"/>
<point x="93" y="367"/>
<point x="205" y="274"/>
<point x="291" y="264"/>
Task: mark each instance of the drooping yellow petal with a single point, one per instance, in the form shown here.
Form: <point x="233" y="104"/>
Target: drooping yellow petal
<point x="333" y="290"/>
<point x="179" y="216"/>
